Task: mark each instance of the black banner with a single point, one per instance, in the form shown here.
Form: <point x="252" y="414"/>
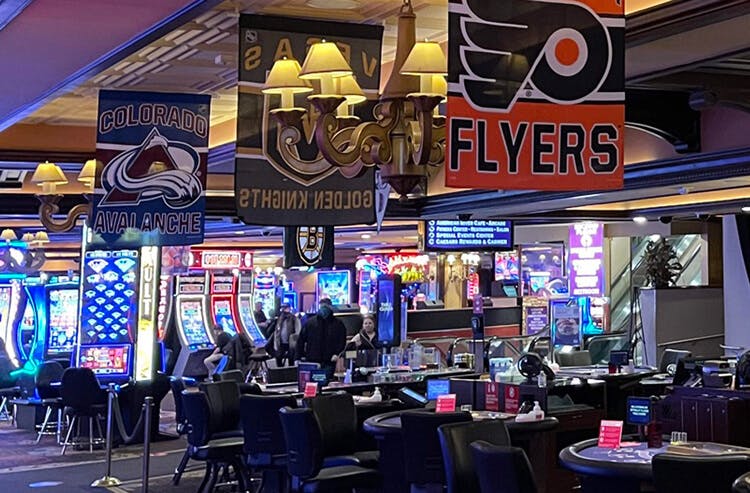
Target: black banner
<point x="272" y="189"/>
<point x="308" y="246"/>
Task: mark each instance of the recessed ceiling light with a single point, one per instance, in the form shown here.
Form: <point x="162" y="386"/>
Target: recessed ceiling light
<point x="640" y="220"/>
<point x="366" y="236"/>
<point x="746" y="209"/>
<point x="239" y="232"/>
<point x="333" y="4"/>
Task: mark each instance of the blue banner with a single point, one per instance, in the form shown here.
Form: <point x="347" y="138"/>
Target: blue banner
<point x="154" y="148"/>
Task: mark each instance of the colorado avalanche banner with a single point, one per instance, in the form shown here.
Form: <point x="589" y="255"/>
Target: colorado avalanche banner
<point x="308" y="246"/>
<point x="275" y="189"/>
<point x="154" y="148"/>
<point x="536" y="95"/>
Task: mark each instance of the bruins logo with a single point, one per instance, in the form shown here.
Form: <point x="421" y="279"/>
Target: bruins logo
<point x="310" y="242"/>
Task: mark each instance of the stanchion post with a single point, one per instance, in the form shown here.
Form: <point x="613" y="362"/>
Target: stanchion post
<point x="147" y="409"/>
<point x="108" y="480"/>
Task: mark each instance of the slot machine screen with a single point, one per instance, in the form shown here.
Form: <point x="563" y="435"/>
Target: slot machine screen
<point x="106" y="360"/>
<point x="334" y="285"/>
<point x="223" y="315"/>
<point x="109" y="310"/>
<point x="246" y="314"/>
<point x="196" y="333"/>
<point x="436" y="388"/>
<point x="63" y="320"/>
<point x="5" y="294"/>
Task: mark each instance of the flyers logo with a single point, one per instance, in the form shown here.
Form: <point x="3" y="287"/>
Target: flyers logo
<point x="554" y="51"/>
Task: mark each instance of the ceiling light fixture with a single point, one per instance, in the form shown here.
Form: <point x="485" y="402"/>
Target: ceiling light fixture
<point x="49" y="176"/>
<point x="406" y="136"/>
<point x="746" y="209"/>
<point x="640" y="219"/>
<point x="366" y="236"/>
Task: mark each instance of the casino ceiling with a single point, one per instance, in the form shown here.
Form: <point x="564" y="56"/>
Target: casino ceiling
<point x="687" y="61"/>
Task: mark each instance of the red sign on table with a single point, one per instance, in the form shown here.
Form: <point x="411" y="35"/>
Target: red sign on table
<point x="311" y="389"/>
<point x="491" y="397"/>
<point x="512" y="402"/>
<point x="446" y="403"/>
<point x="610" y="434"/>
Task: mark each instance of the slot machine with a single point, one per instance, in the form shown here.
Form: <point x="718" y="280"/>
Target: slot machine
<point x="117" y="330"/>
<point x="264" y="292"/>
<point x="333" y="285"/>
<point x="10" y="302"/>
<point x="29" y="324"/>
<point x="222" y="301"/>
<point x="245" y="308"/>
<point x="61" y="309"/>
<point x="196" y="340"/>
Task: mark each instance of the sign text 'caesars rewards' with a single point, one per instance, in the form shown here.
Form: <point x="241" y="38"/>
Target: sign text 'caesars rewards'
<point x="536" y="94"/>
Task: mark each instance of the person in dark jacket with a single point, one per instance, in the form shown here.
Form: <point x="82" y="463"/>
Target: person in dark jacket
<point x="223" y="342"/>
<point x="322" y="338"/>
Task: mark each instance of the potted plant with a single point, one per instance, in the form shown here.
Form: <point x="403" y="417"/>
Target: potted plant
<point x="662" y="265"/>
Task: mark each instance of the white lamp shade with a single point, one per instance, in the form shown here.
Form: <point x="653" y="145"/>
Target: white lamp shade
<point x="324" y="59"/>
<point x="440" y="86"/>
<point x="41" y="237"/>
<point x="88" y="172"/>
<point x="47" y="172"/>
<point x="8" y="235"/>
<point x="425" y="58"/>
<point x="348" y="87"/>
<point x="27" y="238"/>
<point x="284" y="76"/>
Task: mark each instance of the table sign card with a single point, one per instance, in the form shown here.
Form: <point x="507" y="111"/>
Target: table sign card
<point x="610" y="434"/>
<point x="491" y="397"/>
<point x="311" y="389"/>
<point x="446" y="403"/>
<point x="512" y="401"/>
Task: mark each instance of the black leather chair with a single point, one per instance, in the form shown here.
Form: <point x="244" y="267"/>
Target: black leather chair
<point x="337" y="418"/>
<point x="9" y="388"/>
<point x="212" y="438"/>
<point x="424" y="457"/>
<point x="704" y="474"/>
<point x="502" y="469"/>
<point x="178" y="385"/>
<point x="455" y="439"/>
<point x="48" y="373"/>
<point x="83" y="397"/>
<point x="227" y="396"/>
<point x="238" y="377"/>
<point x="742" y="484"/>
<point x="573" y="358"/>
<point x="304" y="445"/>
<point x="265" y="448"/>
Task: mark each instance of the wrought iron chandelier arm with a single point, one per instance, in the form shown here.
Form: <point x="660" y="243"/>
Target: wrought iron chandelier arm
<point x="49" y="207"/>
<point x="368" y="142"/>
<point x="427" y="139"/>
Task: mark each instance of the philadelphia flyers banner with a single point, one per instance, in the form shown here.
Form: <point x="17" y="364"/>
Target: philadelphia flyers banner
<point x="536" y="94"/>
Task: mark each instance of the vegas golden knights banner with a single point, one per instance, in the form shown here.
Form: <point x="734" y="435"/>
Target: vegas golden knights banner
<point x="300" y="187"/>
<point x="536" y="94"/>
<point x="308" y="246"/>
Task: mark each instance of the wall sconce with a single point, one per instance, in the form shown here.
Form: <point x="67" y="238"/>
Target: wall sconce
<point x="49" y="177"/>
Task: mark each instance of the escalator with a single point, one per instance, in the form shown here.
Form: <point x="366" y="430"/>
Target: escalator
<point x="633" y="275"/>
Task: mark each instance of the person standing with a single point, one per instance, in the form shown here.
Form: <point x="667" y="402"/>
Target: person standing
<point x="323" y="338"/>
<point x="366" y="337"/>
<point x="287" y="326"/>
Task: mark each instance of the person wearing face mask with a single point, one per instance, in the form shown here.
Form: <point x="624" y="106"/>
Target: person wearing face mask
<point x="366" y="337"/>
<point x="323" y="338"/>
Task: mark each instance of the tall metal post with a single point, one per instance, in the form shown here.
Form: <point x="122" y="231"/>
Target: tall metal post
<point x="147" y="409"/>
<point x="108" y="480"/>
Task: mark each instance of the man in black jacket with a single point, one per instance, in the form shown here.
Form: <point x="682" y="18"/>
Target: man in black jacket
<point x="322" y="338"/>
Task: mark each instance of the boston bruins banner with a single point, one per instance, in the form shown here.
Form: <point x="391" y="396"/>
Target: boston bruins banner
<point x="536" y="94"/>
<point x="301" y="187"/>
<point x="308" y="246"/>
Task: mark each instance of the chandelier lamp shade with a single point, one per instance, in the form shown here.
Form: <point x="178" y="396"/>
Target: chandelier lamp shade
<point x="407" y="135"/>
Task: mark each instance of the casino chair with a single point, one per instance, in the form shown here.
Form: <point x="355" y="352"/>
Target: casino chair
<point x="455" y="439"/>
<point x="48" y="373"/>
<point x="337" y="417"/>
<point x="573" y="358"/>
<point x="424" y="457"/>
<point x="675" y="473"/>
<point x="304" y="446"/>
<point x="264" y="447"/>
<point x="9" y="388"/>
<point x="213" y="437"/>
<point x="238" y="377"/>
<point x="178" y="386"/>
<point x="502" y="469"/>
<point x="82" y="397"/>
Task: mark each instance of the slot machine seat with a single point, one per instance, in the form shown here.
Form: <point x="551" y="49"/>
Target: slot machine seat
<point x="305" y="460"/>
<point x="208" y="424"/>
<point x="509" y="463"/>
<point x="82" y="397"/>
<point x="239" y="378"/>
<point x="49" y="372"/>
<point x="9" y="388"/>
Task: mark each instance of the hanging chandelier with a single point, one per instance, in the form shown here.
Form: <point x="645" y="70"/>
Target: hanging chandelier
<point x="407" y="135"/>
<point x="48" y="176"/>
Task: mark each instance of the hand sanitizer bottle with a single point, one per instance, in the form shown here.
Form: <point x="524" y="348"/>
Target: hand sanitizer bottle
<point x="537" y="411"/>
<point x="376" y="396"/>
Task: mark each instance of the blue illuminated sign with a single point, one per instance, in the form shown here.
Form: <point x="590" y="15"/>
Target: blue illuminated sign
<point x="455" y="236"/>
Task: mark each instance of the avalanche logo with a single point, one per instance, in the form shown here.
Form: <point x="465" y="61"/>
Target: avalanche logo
<point x="556" y="51"/>
<point x="156" y="169"/>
